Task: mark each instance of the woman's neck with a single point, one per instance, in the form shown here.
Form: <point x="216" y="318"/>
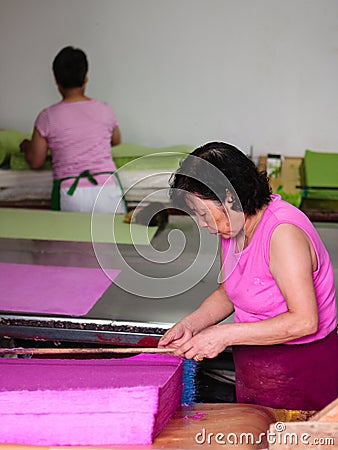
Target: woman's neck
<point x="73" y="95"/>
<point x="250" y="226"/>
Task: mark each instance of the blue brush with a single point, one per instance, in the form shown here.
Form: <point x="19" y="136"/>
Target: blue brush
<point x="189" y="383"/>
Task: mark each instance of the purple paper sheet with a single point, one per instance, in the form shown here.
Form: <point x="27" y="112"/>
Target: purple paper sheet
<point x="52" y="289"/>
<point x="88" y="402"/>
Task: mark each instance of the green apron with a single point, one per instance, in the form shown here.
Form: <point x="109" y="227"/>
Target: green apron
<point x="56" y="204"/>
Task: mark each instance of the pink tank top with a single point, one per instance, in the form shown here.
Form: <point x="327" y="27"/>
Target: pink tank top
<point x="251" y="286"/>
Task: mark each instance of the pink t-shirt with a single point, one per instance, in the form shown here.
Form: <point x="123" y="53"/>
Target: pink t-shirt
<point x="251" y="286"/>
<point x="78" y="135"/>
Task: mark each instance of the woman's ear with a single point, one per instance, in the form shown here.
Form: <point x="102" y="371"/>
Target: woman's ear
<point x="228" y="196"/>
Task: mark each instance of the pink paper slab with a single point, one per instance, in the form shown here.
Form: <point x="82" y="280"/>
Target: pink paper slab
<point x="88" y="402"/>
<point x="51" y="289"/>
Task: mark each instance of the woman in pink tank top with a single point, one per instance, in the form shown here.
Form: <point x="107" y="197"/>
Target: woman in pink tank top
<point x="277" y="279"/>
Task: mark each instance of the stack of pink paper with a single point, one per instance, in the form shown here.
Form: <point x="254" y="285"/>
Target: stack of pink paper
<point x="88" y="402"/>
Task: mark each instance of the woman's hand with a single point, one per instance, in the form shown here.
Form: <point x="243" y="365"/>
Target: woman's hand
<point x="176" y="335"/>
<point x="24" y="145"/>
<point x="35" y="150"/>
<point x="208" y="343"/>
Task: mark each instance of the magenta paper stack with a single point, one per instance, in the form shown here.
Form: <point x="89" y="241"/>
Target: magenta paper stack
<point x="88" y="402"/>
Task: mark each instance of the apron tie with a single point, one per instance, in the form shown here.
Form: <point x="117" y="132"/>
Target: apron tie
<point x="56" y="203"/>
<point x="84" y="174"/>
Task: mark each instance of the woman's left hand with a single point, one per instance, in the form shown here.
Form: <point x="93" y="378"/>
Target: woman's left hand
<point x="208" y="343"/>
<point x="24" y="145"/>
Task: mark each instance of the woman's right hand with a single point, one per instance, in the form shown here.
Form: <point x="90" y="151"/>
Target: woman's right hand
<point x="177" y="335"/>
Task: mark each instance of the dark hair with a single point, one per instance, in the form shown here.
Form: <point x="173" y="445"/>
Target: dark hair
<point x="70" y="67"/>
<point x="212" y="169"/>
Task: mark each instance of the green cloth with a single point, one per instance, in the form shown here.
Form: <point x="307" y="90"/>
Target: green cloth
<point x="320" y="169"/>
<point x="9" y="143"/>
<point x="10" y="150"/>
<point x="71" y="226"/>
<point x="294" y="198"/>
<point x="138" y="157"/>
<point x="18" y="162"/>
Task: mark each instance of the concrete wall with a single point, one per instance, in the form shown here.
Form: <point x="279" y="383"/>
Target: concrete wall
<point x="259" y="73"/>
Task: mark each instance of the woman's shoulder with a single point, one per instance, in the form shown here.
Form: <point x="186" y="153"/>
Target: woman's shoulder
<point x="101" y="107"/>
<point x="51" y="108"/>
<point x="281" y="210"/>
<point x="99" y="103"/>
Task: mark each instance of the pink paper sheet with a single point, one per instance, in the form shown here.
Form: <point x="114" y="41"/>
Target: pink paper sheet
<point x="88" y="402"/>
<point x="51" y="289"/>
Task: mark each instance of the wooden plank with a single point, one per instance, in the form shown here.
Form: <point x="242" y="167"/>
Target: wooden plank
<point x="290" y="175"/>
<point x="328" y="414"/>
<point x="321" y="431"/>
<point x="82" y="351"/>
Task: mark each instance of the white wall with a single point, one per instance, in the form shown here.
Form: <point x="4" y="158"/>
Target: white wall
<point x="250" y="72"/>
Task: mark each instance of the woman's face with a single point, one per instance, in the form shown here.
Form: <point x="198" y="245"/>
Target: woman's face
<point x="219" y="218"/>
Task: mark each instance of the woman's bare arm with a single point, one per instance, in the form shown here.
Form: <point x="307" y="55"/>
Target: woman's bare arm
<point x="35" y="150"/>
<point x="292" y="262"/>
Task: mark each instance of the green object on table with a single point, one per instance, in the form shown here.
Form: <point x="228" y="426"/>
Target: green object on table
<point x="9" y="143"/>
<point x="18" y="162"/>
<point x="131" y="156"/>
<point x="320" y="169"/>
<point x="10" y="140"/>
<point x="127" y="155"/>
<point x="71" y="226"/>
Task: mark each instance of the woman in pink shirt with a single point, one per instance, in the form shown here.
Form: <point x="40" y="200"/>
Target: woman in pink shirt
<point x="277" y="279"/>
<point x="79" y="131"/>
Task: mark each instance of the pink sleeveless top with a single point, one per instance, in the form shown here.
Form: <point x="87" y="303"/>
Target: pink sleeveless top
<point x="78" y="135"/>
<point x="251" y="286"/>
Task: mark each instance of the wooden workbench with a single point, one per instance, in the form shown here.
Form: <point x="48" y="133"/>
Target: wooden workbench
<point x="185" y="429"/>
<point x="216" y="426"/>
